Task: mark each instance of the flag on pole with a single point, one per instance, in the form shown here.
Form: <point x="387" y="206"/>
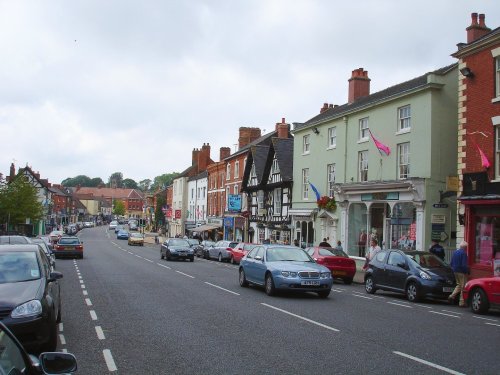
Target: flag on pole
<point x="381" y="147"/>
<point x="484" y="160"/>
<point x="318" y="195"/>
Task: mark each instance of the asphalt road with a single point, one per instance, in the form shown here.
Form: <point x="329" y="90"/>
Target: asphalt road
<point x="125" y="311"/>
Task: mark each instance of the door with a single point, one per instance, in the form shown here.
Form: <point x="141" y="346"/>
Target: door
<point x="396" y="271"/>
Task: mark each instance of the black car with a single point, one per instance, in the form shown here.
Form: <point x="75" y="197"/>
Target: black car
<point x="417" y="274"/>
<point x="47" y="250"/>
<point x="176" y="248"/>
<point x="30" y="299"/>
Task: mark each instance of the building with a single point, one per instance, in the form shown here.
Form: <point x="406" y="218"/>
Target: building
<point x="479" y="146"/>
<point x="346" y="188"/>
<point x="197" y="200"/>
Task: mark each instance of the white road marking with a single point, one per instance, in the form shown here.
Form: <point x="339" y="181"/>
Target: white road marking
<point x="492" y="324"/>
<point x="440" y="313"/>
<point x="452" y="312"/>
<point x="62" y="339"/>
<point x="131" y="253"/>
<point x="85" y="293"/>
<point x="399" y="301"/>
<point x="301" y="317"/>
<point x="148" y="260"/>
<point x="491" y="320"/>
<point x="399" y="304"/>
<point x="110" y="362"/>
<point x="81" y="281"/>
<point x="185" y="274"/>
<point x="364" y="294"/>
<point x="83" y="286"/>
<point x="138" y="256"/>
<point x="61" y="327"/>
<point x="360" y="296"/>
<point x="93" y="315"/>
<point x="65" y="350"/>
<point x="164" y="266"/>
<point x="445" y="369"/>
<point x="100" y="333"/>
<point x="88" y="302"/>
<point x="337" y="291"/>
<point x="221" y="288"/>
<point x="419" y="305"/>
<point x="79" y="277"/>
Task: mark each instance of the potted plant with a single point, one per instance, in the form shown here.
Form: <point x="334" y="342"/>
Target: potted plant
<point x="327" y="203"/>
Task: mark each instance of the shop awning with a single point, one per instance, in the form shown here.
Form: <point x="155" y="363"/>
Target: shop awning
<point x="205" y="227"/>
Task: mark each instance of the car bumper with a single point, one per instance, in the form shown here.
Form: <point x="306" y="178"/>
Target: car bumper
<point x="285" y="283"/>
<point x="32" y="332"/>
<point x="136" y="242"/>
<point x="122" y="238"/>
<point x="433" y="289"/>
<point x="342" y="272"/>
<point x="181" y="256"/>
<point x="68" y="253"/>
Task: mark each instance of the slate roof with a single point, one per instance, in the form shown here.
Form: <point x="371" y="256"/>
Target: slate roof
<point x="259" y="157"/>
<point x="199" y="176"/>
<point x="283" y="148"/>
<point x="393" y="91"/>
<point x="109" y="192"/>
<point x="265" y="139"/>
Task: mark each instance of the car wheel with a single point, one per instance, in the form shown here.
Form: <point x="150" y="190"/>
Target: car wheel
<point x="167" y="255"/>
<point x="370" y="285"/>
<point x="412" y="292"/>
<point x="479" y="303"/>
<point x="220" y="257"/>
<point x="161" y="255"/>
<point x="243" y="278"/>
<point x="191" y="259"/>
<point x="269" y="285"/>
<point x="347" y="281"/>
<point x="324" y="293"/>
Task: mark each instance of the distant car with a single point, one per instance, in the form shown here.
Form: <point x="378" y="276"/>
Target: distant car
<point x="136" y="239"/>
<point x="72" y="229"/>
<point x="221" y="250"/>
<point x="55" y="235"/>
<point x="239" y="251"/>
<point x="122" y="234"/>
<point x="202" y="249"/>
<point x="15" y="360"/>
<point x="417" y="274"/>
<point x="70" y="246"/>
<point x="113" y="225"/>
<point x="482" y="294"/>
<point x="48" y="251"/>
<point x="133" y="226"/>
<point x="118" y="228"/>
<point x="14" y="240"/>
<point x="287" y="268"/>
<point x="338" y="262"/>
<point x="176" y="248"/>
<point x="30" y="303"/>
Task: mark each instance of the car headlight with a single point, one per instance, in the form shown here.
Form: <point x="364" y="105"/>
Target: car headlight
<point x="325" y="275"/>
<point x="425" y="275"/>
<point x="29" y="308"/>
<point x="288" y="274"/>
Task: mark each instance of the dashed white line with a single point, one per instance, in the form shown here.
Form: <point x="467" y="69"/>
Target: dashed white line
<point x="492" y="324"/>
<point x="399" y="304"/>
<point x="93" y="315"/>
<point x="360" y="296"/>
<point x="61" y="327"/>
<point x="301" y="317"/>
<point x="138" y="256"/>
<point x="491" y="320"/>
<point x="364" y="294"/>
<point x="221" y="288"/>
<point x="440" y="313"/>
<point x="148" y="260"/>
<point x="337" y="291"/>
<point x="100" y="333"/>
<point x="82" y="286"/>
<point x="85" y="293"/>
<point x="452" y="312"/>
<point x="185" y="274"/>
<point x="445" y="369"/>
<point x="109" y="360"/>
<point x="164" y="266"/>
<point x="81" y="281"/>
<point x="131" y="253"/>
<point x="79" y="277"/>
<point x="62" y="339"/>
<point x="88" y="302"/>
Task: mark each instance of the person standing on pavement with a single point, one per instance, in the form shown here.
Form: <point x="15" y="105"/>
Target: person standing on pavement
<point x="324" y="243"/>
<point x="437" y="249"/>
<point x="339" y="246"/>
<point x="362" y="243"/>
<point x="459" y="265"/>
<point x="372" y="251"/>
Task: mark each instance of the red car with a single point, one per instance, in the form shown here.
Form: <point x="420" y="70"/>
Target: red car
<point x="338" y="262"/>
<point x="482" y="293"/>
<point x="240" y="250"/>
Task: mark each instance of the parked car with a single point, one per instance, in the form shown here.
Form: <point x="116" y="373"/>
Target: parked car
<point x="176" y="248"/>
<point x="221" y="250"/>
<point x="482" y="294"/>
<point x="118" y="228"/>
<point x="202" y="249"/>
<point x="48" y="251"/>
<point x="112" y="225"/>
<point x="122" y="234"/>
<point x="239" y="251"/>
<point x="72" y="229"/>
<point x="55" y="235"/>
<point x="69" y="246"/>
<point x="417" y="274"/>
<point x="14" y="359"/>
<point x="136" y="239"/>
<point x="14" y="240"/>
<point x="132" y="225"/>
<point x="340" y="265"/>
<point x="281" y="267"/>
<point x="30" y="302"/>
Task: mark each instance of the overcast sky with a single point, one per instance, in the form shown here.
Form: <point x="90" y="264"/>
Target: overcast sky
<point x="96" y="87"/>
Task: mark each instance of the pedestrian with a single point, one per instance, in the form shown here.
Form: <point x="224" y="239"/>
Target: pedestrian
<point x="362" y="243"/>
<point x="372" y="251"/>
<point x="266" y="241"/>
<point x="296" y="242"/>
<point x="459" y="265"/>
<point x="437" y="249"/>
<point x="324" y="243"/>
<point x="339" y="246"/>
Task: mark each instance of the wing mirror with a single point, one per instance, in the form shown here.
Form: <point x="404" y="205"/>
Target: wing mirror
<point x="258" y="257"/>
<point x="55" y="275"/>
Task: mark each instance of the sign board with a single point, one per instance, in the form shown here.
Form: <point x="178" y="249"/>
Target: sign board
<point x="234" y="202"/>
<point x="178" y="214"/>
<point x="440" y="205"/>
<point x="452" y="183"/>
<point x="438" y="219"/>
<point x="229" y="222"/>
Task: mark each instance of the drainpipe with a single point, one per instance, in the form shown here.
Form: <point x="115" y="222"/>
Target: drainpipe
<point x="346" y="120"/>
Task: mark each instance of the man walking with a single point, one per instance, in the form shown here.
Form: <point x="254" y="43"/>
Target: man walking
<point x="437" y="249"/>
<point x="460" y="267"/>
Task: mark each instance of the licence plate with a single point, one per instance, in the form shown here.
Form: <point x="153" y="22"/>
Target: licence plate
<point x="309" y="282"/>
<point x="339" y="273"/>
<point x="448" y="289"/>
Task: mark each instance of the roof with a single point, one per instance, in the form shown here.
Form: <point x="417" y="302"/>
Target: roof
<point x="117" y="193"/>
<point x="283" y="149"/>
<point x="199" y="176"/>
<point x="259" y="157"/>
<point x="263" y="139"/>
<point x="393" y="91"/>
<point x="465" y="48"/>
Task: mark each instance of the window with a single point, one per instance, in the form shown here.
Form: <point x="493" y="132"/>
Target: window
<point x="363" y="129"/>
<point x="228" y="172"/>
<point x="227" y="197"/>
<point x="363" y="166"/>
<point x="237" y="169"/>
<point x="395" y="259"/>
<point x="332" y="137"/>
<point x="497" y="152"/>
<point x="306" y="145"/>
<point x="485" y="236"/>
<point x="236" y="190"/>
<point x="330" y="170"/>
<point x="497" y="76"/>
<point x="260" y="199"/>
<point x="275" y="168"/>
<point x="305" y="183"/>
<point x="404" y="117"/>
<point x="403" y="160"/>
<point x="253" y="176"/>
<point x="277" y="202"/>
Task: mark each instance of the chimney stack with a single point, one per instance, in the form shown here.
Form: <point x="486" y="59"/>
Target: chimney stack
<point x="247" y="135"/>
<point x="194" y="158"/>
<point x="477" y="29"/>
<point x="203" y="157"/>
<point x="359" y="85"/>
<point x="324" y="108"/>
<point x="224" y="153"/>
<point x="282" y="128"/>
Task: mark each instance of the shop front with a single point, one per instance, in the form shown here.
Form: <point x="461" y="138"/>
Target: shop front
<point x="302" y="223"/>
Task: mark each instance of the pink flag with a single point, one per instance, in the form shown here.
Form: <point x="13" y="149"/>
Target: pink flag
<point x="484" y="160"/>
<point x="380" y="145"/>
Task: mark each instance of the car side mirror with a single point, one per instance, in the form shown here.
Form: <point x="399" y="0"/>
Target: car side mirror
<point x="55" y="275"/>
<point x="58" y="363"/>
<point x="258" y="257"/>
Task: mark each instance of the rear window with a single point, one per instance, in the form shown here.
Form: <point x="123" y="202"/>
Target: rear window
<point x="232" y="245"/>
<point x="69" y="241"/>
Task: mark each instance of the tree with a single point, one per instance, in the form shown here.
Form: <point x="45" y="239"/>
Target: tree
<point x="159" y="215"/>
<point x="96" y="181"/>
<point x="81" y="180"/>
<point x="144" y="184"/>
<point x="128" y="183"/>
<point x="19" y="201"/>
<point x="161" y="182"/>
<point x="116" y="180"/>
<point x="118" y="207"/>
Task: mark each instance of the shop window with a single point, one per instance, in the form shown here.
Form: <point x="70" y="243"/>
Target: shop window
<point x="262" y="233"/>
<point x="403" y="226"/>
<point x="357" y="236"/>
<point x="487" y="239"/>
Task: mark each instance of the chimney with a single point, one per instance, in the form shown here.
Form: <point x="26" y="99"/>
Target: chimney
<point x="194" y="159"/>
<point x="203" y="157"/>
<point x="476" y="30"/>
<point x="224" y="153"/>
<point x="247" y="135"/>
<point x="282" y="128"/>
<point x="12" y="171"/>
<point x="324" y="108"/>
<point x="359" y="85"/>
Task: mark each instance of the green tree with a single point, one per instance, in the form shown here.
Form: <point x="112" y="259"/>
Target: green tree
<point x="161" y="182"/>
<point x="19" y="201"/>
<point x="144" y="184"/>
<point x="159" y="215"/>
<point x="81" y="180"/>
<point x="128" y="183"/>
<point x="116" y="180"/>
<point x="96" y="181"/>
<point x="118" y="207"/>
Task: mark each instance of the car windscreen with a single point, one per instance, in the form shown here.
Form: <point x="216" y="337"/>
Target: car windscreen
<point x="277" y="254"/>
<point x="194" y="242"/>
<point x="178" y="242"/>
<point x="136" y="235"/>
<point x="13" y="240"/>
<point x="69" y="241"/>
<point x="427" y="260"/>
<point x="18" y="266"/>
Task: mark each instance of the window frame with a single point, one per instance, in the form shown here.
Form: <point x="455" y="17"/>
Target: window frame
<point x="404" y="164"/>
<point x="364" y="128"/>
<point x="278" y="204"/>
<point x="306" y="144"/>
<point x="228" y="171"/>
<point x="305" y="183"/>
<point x="497" y="76"/>
<point x="330" y="171"/>
<point x="404" y="119"/>
<point x="237" y="169"/>
<point x="497" y="152"/>
<point x="362" y="161"/>
<point x="332" y="137"/>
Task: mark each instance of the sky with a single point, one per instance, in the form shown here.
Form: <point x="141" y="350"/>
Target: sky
<point x="96" y="87"/>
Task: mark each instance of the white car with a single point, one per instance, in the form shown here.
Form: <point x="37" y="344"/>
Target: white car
<point x="113" y="225"/>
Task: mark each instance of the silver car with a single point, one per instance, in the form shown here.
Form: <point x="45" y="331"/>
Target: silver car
<point x="221" y="250"/>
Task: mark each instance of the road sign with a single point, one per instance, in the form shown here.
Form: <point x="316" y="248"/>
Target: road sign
<point x="440" y="205"/>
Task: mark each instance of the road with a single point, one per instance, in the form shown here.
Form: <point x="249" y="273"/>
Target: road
<point x="125" y="311"/>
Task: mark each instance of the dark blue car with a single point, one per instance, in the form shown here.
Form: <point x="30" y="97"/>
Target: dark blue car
<point x="280" y="267"/>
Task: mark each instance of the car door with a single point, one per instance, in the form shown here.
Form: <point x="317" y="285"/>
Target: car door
<point x="396" y="271"/>
<point x="52" y="287"/>
<point x="256" y="265"/>
<point x="248" y="265"/>
<point x="495" y="291"/>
